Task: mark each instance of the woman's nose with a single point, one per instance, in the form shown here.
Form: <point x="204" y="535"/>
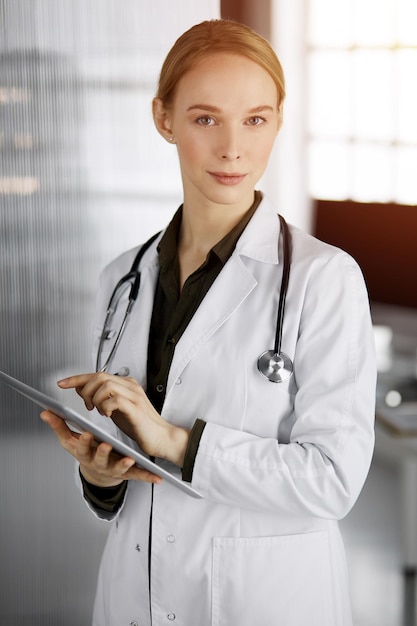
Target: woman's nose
<point x="230" y="149"/>
<point x="230" y="156"/>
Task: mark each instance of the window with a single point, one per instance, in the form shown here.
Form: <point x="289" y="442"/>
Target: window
<point x="362" y="100"/>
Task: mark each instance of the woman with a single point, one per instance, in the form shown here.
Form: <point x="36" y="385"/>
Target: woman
<point x="278" y="463"/>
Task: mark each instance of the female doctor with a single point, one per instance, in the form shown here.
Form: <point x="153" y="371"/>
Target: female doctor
<point x="278" y="463"/>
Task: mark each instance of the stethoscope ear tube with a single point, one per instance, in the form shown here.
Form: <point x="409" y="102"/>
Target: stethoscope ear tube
<point x="286" y="241"/>
<point x="133" y="277"/>
<point x="274" y="365"/>
<point x="117" y="341"/>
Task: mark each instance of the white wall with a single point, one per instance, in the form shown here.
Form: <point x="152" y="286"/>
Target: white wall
<point x="286" y="179"/>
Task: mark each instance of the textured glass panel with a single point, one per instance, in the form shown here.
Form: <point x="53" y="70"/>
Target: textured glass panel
<point x="374" y="97"/>
<point x="373" y="173"/>
<point x="328" y="170"/>
<point x="329" y="94"/>
<point x="115" y="153"/>
<point x="330" y="23"/>
<point x="83" y="176"/>
<point x="374" y="22"/>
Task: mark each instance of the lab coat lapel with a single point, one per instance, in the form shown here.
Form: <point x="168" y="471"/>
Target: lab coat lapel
<point x="228" y="291"/>
<point x="139" y="337"/>
<point x="233" y="285"/>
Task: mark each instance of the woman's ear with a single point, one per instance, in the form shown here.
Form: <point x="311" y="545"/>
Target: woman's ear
<point x="162" y="119"/>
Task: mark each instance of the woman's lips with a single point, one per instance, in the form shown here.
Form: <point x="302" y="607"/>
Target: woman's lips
<point x="224" y="178"/>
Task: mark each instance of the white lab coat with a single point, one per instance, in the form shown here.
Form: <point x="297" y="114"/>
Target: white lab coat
<point x="278" y="464"/>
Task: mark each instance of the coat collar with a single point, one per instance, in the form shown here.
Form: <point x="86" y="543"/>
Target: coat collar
<point x="259" y="239"/>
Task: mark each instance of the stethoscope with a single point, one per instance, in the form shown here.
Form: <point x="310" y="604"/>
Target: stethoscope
<point x="274" y="365"/>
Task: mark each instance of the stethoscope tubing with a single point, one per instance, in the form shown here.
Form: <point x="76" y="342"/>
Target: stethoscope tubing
<point x="133" y="276"/>
<point x="274" y="365"/>
<point x="286" y="243"/>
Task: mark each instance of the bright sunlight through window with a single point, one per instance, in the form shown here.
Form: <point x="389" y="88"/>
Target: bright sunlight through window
<point x="362" y="107"/>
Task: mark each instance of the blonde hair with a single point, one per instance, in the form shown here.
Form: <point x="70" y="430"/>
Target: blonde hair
<point x="216" y="36"/>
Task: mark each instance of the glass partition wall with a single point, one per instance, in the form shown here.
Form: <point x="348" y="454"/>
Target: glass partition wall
<point x="83" y="176"/>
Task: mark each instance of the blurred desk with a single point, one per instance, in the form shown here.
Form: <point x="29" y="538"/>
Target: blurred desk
<point x="396" y="406"/>
<point x="396" y="425"/>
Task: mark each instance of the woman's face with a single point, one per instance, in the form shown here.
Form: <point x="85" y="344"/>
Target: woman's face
<point x="224" y="120"/>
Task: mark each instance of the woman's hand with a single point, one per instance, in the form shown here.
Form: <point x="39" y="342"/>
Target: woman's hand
<point x="98" y="464"/>
<point x="126" y="403"/>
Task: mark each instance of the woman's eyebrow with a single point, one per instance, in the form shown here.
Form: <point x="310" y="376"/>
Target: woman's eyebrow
<point x="261" y="108"/>
<point x="204" y="107"/>
<point x="214" y="109"/>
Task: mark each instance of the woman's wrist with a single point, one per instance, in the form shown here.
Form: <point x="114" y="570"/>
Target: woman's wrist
<point x="177" y="445"/>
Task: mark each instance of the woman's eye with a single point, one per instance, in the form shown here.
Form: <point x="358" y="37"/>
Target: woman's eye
<point x="205" y="120"/>
<point x="256" y="121"/>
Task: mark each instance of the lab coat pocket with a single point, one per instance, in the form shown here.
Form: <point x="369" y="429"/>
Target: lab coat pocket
<point x="272" y="581"/>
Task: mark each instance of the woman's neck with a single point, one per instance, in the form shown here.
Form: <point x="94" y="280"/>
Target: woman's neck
<point x="201" y="229"/>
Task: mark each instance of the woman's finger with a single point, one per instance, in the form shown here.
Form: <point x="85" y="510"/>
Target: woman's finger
<point x="102" y="456"/>
<point x="96" y="388"/>
<point x="60" y="428"/>
<point x="143" y="475"/>
<point x="99" y="459"/>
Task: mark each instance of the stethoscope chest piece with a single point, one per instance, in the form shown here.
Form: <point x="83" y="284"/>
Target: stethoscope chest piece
<point x="275" y="367"/>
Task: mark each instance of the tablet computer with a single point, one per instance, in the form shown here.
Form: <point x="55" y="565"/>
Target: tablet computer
<point x="78" y="423"/>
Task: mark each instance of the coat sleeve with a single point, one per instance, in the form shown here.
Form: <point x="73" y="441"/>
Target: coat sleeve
<point x="321" y="469"/>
